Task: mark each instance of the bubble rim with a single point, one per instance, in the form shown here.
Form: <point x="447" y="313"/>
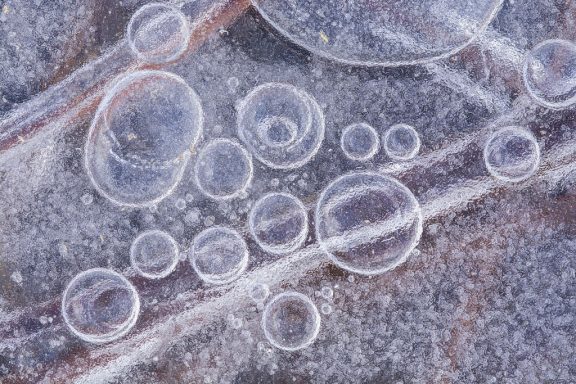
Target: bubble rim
<point x="171" y="267"/>
<point x="308" y="302"/>
<point x="518" y="131"/>
<point x="106" y="338"/>
<point x="185" y="25"/>
<point x="373" y="148"/>
<point x="300" y="239"/>
<point x="369" y="272"/>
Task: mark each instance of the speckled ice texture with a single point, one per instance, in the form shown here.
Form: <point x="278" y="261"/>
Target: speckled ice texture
<point x="488" y="296"/>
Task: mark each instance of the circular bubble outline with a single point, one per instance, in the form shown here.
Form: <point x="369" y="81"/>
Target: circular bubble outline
<point x="245" y="154"/>
<point x="173" y="245"/>
<point x="308" y="302"/>
<point x="539" y="100"/>
<point x="375" y="145"/>
<point x="516" y="131"/>
<point x="419" y="217"/>
<point x="128" y="324"/>
<point x="117" y="85"/>
<point x="223" y="278"/>
<point x="497" y="5"/>
<point x="298" y="241"/>
<point x="413" y="133"/>
<point x="315" y="116"/>
<point x="185" y="28"/>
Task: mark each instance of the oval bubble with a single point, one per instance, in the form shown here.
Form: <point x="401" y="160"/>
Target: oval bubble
<point x="281" y="125"/>
<point x="141" y="136"/>
<point x="359" y="142"/>
<point x="223" y="169"/>
<point x="550" y="73"/>
<point x="154" y="254"/>
<point x="401" y="142"/>
<point x="100" y="305"/>
<point x="291" y="321"/>
<point x="158" y="33"/>
<point x="219" y="255"/>
<point x="385" y="33"/>
<point x="512" y="154"/>
<point x="368" y="223"/>
<point x="279" y="223"/>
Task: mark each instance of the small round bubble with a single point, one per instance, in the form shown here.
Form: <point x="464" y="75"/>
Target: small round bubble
<point x="259" y="292"/>
<point x="326" y="309"/>
<point x="327" y="293"/>
<point x="359" y="142"/>
<point x="281" y="125"/>
<point x="154" y="254"/>
<point x="291" y="321"/>
<point x="219" y="255"/>
<point x="367" y="223"/>
<point x="100" y="305"/>
<point x="550" y="73"/>
<point x="223" y="169"/>
<point x="401" y="142"/>
<point x="158" y="33"/>
<point x="512" y="154"/>
<point x="140" y="139"/>
<point x="279" y="223"/>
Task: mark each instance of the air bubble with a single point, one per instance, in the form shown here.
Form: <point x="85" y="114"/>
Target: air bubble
<point x="367" y="223"/>
<point x="100" y="305"/>
<point x="87" y="199"/>
<point x="550" y="73"/>
<point x="327" y="293"/>
<point x="281" y="125"/>
<point x="291" y="321"/>
<point x="219" y="255"/>
<point x="223" y="169"/>
<point x="512" y="154"/>
<point x="259" y="292"/>
<point x="180" y="204"/>
<point x="326" y="309"/>
<point x="140" y="139"/>
<point x="279" y="223"/>
<point x="158" y="33"/>
<point x="154" y="254"/>
<point x="359" y="142"/>
<point x="387" y="33"/>
<point x="401" y="142"/>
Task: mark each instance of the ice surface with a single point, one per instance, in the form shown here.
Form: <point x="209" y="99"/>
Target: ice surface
<point x="488" y="295"/>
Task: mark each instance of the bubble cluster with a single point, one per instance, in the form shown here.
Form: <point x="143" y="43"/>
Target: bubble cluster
<point x="550" y="73"/>
<point x="158" y="33"/>
<point x="154" y="254"/>
<point x="100" y="305"/>
<point x="512" y="154"/>
<point x="219" y="255"/>
<point x="401" y="142"/>
<point x="291" y="321"/>
<point x="281" y="125"/>
<point x="387" y="33"/>
<point x="279" y="223"/>
<point x="367" y="223"/>
<point x="140" y="139"/>
<point x="359" y="142"/>
<point x="223" y="169"/>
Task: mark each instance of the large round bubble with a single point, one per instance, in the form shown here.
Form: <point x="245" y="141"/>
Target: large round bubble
<point x="154" y="254"/>
<point x="141" y="136"/>
<point x="279" y="223"/>
<point x="281" y="125"/>
<point x="291" y="321"/>
<point x="512" y="154"/>
<point x="100" y="305"/>
<point x="387" y="33"/>
<point x="158" y="33"/>
<point x="219" y="255"/>
<point x="550" y="73"/>
<point x="368" y="223"/>
<point x="223" y="169"/>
